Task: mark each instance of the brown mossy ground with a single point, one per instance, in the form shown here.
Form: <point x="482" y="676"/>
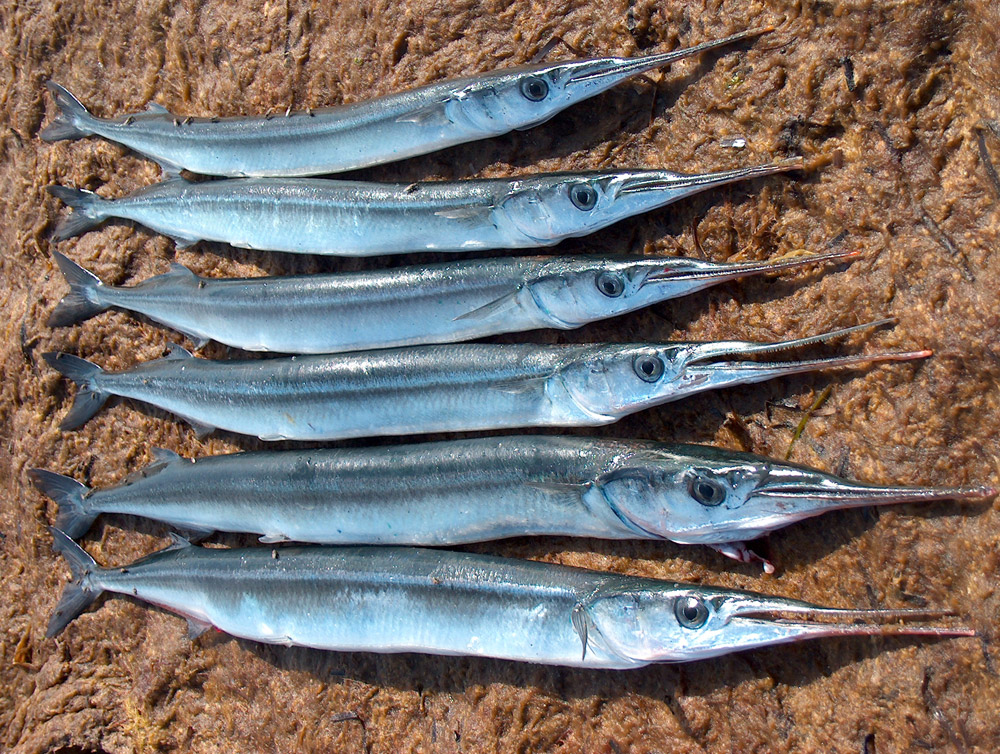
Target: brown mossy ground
<point x="890" y="103"/>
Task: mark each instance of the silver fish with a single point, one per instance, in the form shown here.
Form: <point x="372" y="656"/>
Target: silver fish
<point x="357" y="218"/>
<point x="402" y="306"/>
<point x="404" y="599"/>
<point x="445" y="388"/>
<point x="461" y="491"/>
<point x="376" y="131"/>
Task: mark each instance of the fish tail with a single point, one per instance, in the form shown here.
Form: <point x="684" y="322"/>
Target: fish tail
<point x="73" y="120"/>
<point x="82" y="300"/>
<point x="89" y="399"/>
<point x="74" y="519"/>
<point x="87" y="212"/>
<point x="80" y="592"/>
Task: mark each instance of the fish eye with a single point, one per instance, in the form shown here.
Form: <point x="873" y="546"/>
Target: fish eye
<point x="690" y="611"/>
<point x="649" y="368"/>
<point x="610" y="284"/>
<point x="706" y="490"/>
<point x="535" y="89"/>
<point x="583" y="196"/>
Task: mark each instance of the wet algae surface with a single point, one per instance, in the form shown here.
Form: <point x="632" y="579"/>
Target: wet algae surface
<point x="893" y="105"/>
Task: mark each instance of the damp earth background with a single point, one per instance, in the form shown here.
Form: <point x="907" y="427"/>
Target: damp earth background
<point x="890" y="103"/>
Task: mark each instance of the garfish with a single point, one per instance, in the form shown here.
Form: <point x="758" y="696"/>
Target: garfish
<point x="405" y="599"/>
<point x="359" y="218"/>
<point x="376" y="131"/>
<point x="438" y="388"/>
<point x="440" y="303"/>
<point x="473" y="490"/>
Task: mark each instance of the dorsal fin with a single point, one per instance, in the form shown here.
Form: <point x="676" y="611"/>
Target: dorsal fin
<point x="180" y="271"/>
<point x="157" y="109"/>
<point x="177" y="542"/>
<point x="178" y="353"/>
<point x="164" y="456"/>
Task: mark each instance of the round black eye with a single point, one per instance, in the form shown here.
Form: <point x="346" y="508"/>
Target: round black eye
<point x="690" y="612"/>
<point x="534" y="89"/>
<point x="610" y="284"/>
<point x="649" y="368"/>
<point x="583" y="196"/>
<point x="706" y="491"/>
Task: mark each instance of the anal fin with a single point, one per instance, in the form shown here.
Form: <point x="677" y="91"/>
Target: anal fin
<point x="196" y="627"/>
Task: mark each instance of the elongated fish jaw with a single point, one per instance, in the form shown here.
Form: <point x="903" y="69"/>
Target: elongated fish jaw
<point x="749" y="621"/>
<point x="688" y="276"/>
<point x="644" y="190"/>
<point x="678" y="623"/>
<point x="706" y="360"/>
<point x="789" y="494"/>
<point x="591" y="77"/>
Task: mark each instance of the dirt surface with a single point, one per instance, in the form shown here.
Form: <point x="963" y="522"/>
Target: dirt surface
<point x="891" y="105"/>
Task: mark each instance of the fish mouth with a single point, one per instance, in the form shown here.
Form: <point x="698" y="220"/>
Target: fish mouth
<point x="706" y="361"/>
<point x="610" y="71"/>
<point x="792" y="620"/>
<point x="723" y="272"/>
<point x="661" y="181"/>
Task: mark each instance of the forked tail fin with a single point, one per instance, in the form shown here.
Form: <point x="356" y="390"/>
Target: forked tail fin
<point x="87" y="212"/>
<point x="89" y="399"/>
<point x="74" y="518"/>
<point x="79" y="593"/>
<point x="82" y="301"/>
<point x="73" y="120"/>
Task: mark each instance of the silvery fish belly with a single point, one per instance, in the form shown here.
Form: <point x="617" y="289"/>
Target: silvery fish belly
<point x="447" y="603"/>
<point x="366" y="133"/>
<point x="402" y="306"/>
<point x="356" y="218"/>
<point x="440" y="388"/>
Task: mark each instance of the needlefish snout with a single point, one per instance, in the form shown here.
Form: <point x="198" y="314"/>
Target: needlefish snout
<point x="371" y="132"/>
<point x="407" y="599"/>
<point x="443" y="388"/>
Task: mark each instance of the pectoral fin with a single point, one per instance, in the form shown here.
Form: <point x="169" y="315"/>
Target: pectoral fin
<point x="430" y="115"/>
<point x="522" y="385"/>
<point x="505" y="303"/>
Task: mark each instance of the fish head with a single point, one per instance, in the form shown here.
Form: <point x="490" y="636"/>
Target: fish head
<point x="618" y="379"/>
<point x="547" y="208"/>
<point x="523" y="97"/>
<point x="574" y="291"/>
<point x="519" y="98"/>
<point x="666" y="622"/>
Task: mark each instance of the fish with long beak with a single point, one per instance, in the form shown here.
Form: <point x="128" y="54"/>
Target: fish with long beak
<point x="441" y="388"/>
<point x="372" y="132"/>
<point x="474" y="490"/>
<point x="358" y="218"/>
<point x="404" y="306"/>
<point x="405" y="599"/>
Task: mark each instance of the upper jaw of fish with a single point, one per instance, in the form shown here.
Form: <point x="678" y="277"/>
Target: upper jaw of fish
<point x="707" y="364"/>
<point x="599" y="74"/>
<point x="757" y="620"/>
